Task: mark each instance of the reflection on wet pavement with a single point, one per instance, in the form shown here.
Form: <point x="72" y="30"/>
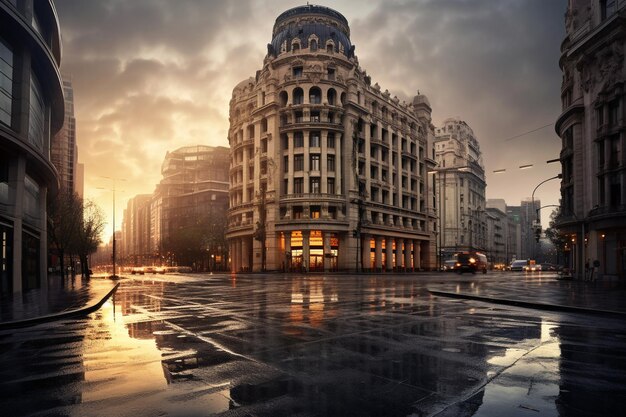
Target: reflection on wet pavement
<point x="310" y="346"/>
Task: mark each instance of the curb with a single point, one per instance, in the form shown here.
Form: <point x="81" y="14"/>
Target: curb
<point x="536" y="306"/>
<point x="58" y="316"/>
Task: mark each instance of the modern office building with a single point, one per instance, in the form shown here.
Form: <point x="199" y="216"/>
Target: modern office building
<point x="502" y="240"/>
<point x="591" y="127"/>
<point x="328" y="170"/>
<point x="64" y="149"/>
<point x="529" y="214"/>
<point x="136" y="231"/>
<point x="31" y="113"/>
<point x="460" y="180"/>
<point x="193" y="194"/>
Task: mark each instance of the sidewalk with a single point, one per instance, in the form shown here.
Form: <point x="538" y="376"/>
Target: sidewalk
<point x="64" y="297"/>
<point x="544" y="292"/>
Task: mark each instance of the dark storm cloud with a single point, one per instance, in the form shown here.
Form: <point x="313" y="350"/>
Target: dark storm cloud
<point x="121" y="27"/>
<point x="153" y="75"/>
<point x="493" y="64"/>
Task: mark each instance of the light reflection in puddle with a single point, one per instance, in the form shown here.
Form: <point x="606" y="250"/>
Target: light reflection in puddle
<point x="505" y="396"/>
<point x="134" y="367"/>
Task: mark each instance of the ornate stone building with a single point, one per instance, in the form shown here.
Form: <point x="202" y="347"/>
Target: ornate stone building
<point x="31" y="112"/>
<point x="460" y="176"/>
<point x="592" y="128"/>
<point x="328" y="172"/>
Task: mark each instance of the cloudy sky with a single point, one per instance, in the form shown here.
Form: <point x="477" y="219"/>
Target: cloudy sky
<point x="154" y="75"/>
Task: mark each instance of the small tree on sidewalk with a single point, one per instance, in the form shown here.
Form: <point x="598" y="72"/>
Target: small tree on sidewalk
<point x="75" y="227"/>
<point x="556" y="237"/>
<point x="89" y="234"/>
<point x="64" y="220"/>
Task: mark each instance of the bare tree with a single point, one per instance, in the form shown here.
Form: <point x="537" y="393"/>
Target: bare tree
<point x="64" y="219"/>
<point x="74" y="229"/>
<point x="89" y="235"/>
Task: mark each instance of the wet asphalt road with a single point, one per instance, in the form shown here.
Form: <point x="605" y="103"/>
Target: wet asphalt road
<point x="281" y="345"/>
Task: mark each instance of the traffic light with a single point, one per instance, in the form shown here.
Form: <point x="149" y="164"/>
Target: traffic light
<point x="537" y="228"/>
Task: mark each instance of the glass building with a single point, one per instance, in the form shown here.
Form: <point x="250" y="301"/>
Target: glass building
<point x="31" y="112"/>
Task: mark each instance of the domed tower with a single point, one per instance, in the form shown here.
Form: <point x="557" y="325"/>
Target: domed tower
<point x="327" y="172"/>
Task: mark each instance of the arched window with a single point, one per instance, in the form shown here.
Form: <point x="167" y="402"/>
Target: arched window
<point x="315" y="95"/>
<point x="295" y="45"/>
<point x="283" y="97"/>
<point x="330" y="47"/>
<point x="313" y="45"/>
<point x="332" y="96"/>
<point x="298" y="96"/>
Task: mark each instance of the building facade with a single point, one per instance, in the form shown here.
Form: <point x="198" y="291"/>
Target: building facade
<point x="504" y="247"/>
<point x="460" y="179"/>
<point x="328" y="171"/>
<point x="191" y="198"/>
<point x="136" y="243"/>
<point x="31" y="113"/>
<point x="64" y="149"/>
<point x="529" y="214"/>
<point x="592" y="129"/>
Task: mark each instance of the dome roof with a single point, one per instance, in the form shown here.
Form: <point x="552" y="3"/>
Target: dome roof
<point x="303" y="21"/>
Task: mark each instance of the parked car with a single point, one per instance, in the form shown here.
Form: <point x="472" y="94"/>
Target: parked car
<point x="532" y="268"/>
<point x="518" y="265"/>
<point x="470" y="262"/>
<point x="448" y="265"/>
<point x="137" y="270"/>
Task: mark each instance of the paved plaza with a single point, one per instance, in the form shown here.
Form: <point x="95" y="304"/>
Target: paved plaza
<point x="326" y="345"/>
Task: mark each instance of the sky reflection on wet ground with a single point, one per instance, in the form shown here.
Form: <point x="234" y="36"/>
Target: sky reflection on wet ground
<point x="311" y="346"/>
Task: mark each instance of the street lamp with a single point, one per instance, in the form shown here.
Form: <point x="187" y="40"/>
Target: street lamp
<point x="536" y="224"/>
<point x="114" y="276"/>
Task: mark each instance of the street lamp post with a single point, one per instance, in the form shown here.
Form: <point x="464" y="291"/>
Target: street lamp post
<point x="114" y="276"/>
<point x="536" y="224"/>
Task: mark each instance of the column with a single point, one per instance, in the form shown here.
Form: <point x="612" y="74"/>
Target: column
<point x="326" y="237"/>
<point x="378" y="253"/>
<point x="245" y="259"/>
<point x="408" y="245"/>
<point x="417" y="255"/>
<point x="231" y="252"/>
<point x="365" y="252"/>
<point x="306" y="253"/>
<point x="399" y="244"/>
<point x="287" y="251"/>
<point x="389" y="251"/>
<point x="43" y="241"/>
<point x="17" y="178"/>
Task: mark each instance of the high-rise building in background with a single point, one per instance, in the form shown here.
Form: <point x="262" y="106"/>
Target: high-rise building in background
<point x="328" y="171"/>
<point x="460" y="180"/>
<point x="529" y="214"/>
<point x="31" y="113"/>
<point x="190" y="205"/>
<point x="79" y="182"/>
<point x="502" y="238"/>
<point x="514" y="213"/>
<point x="136" y="241"/>
<point x="64" y="149"/>
<point x="591" y="127"/>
